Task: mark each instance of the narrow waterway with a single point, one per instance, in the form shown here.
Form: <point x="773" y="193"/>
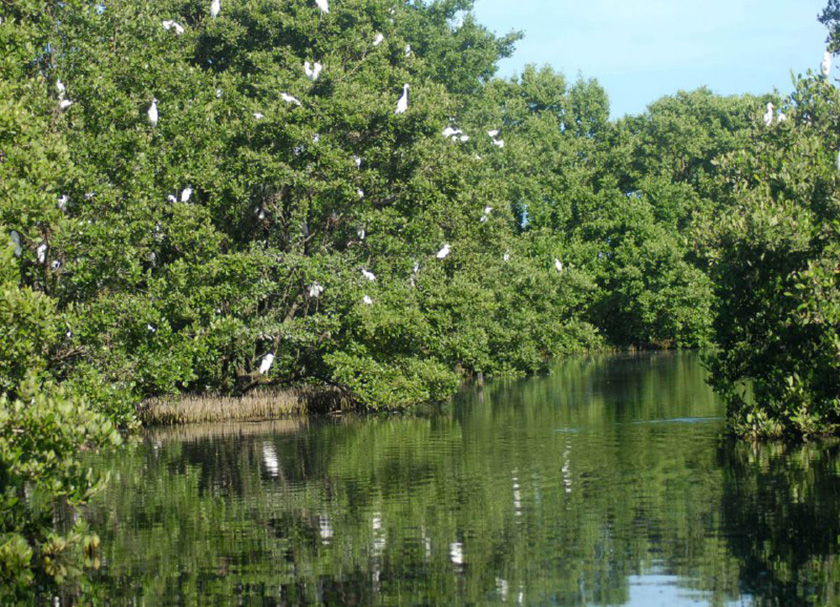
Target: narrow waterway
<point x="606" y="483"/>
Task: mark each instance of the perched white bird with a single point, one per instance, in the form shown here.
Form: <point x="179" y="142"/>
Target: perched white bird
<point x="62" y="202"/>
<point x="558" y="264"/>
<point x="499" y="143"/>
<point x="768" y="115"/>
<point x="151" y="329"/>
<point x="218" y="93"/>
<point x="367" y="300"/>
<point x="64" y="104"/>
<point x="825" y="66"/>
<point x="185" y="194"/>
<point x="289" y="99"/>
<point x="259" y="115"/>
<point x="451" y="132"/>
<point x="152" y="112"/>
<point x="408" y="50"/>
<point x="215" y="8"/>
<point x="59" y="87"/>
<point x="16" y="241"/>
<point x="168" y="25"/>
<point x="171" y="198"/>
<point x="360" y="193"/>
<point x="487" y="210"/>
<point x="506" y="256"/>
<point x="358" y="161"/>
<point x="464" y="138"/>
<point x="41" y="252"/>
<point x="402" y="103"/>
<point x="265" y="365"/>
<point x="361" y="233"/>
<point x="444" y="251"/>
<point x="315" y="290"/>
<point x="380" y="38"/>
<point x="369" y="275"/>
<point x="781" y="117"/>
<point x="312" y="71"/>
<point x="493" y="133"/>
<point x="323" y="5"/>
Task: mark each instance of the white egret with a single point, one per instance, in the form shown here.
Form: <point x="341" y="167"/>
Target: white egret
<point x="289" y="99"/>
<point x="259" y="115"/>
<point x="62" y="202"/>
<point x="218" y="93"/>
<point x="168" y="25"/>
<point x="444" y="251"/>
<point x="369" y="275"/>
<point x="265" y="365"/>
<point x="464" y="138"/>
<point x="360" y="193"/>
<point x="358" y="161"/>
<point x="380" y="38"/>
<point x="215" y="8"/>
<point x="487" y="210"/>
<point x="506" y="256"/>
<point x="312" y="71"/>
<point x="171" y="198"/>
<point x="402" y="103"/>
<point x="499" y="143"/>
<point x="361" y="233"/>
<point x="558" y="264"/>
<point x="315" y="290"/>
<point x="323" y="5"/>
<point x="825" y="66"/>
<point x="185" y="194"/>
<point x="59" y="87"/>
<point x="408" y="50"/>
<point x="768" y="115"/>
<point x="493" y="133"/>
<point x="451" y="132"/>
<point x="16" y="241"/>
<point x="367" y="300"/>
<point x="41" y="253"/>
<point x="781" y="117"/>
<point x="64" y="104"/>
<point x="152" y="112"/>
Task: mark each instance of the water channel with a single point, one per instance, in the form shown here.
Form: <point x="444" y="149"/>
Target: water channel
<point x="605" y="483"/>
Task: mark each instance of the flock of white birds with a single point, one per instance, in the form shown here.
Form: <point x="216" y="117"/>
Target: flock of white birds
<point x="313" y="72"/>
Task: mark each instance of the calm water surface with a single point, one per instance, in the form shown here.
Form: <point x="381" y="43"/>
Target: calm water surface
<point x="606" y="483"/>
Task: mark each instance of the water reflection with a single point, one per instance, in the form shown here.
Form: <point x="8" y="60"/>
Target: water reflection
<point x="604" y="484"/>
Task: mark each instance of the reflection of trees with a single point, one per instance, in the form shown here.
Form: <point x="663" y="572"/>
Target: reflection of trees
<point x="781" y="516"/>
<point x="544" y="486"/>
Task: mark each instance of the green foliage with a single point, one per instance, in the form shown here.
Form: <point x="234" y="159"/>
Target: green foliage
<point x="42" y="430"/>
<point x="775" y="268"/>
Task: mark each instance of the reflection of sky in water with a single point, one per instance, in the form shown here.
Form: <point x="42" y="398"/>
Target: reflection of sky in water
<point x="660" y="590"/>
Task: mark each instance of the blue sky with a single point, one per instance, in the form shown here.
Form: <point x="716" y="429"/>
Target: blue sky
<point x="640" y="50"/>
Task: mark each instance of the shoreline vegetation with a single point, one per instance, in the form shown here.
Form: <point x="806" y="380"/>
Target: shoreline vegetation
<point x="220" y="198"/>
<point x="262" y="405"/>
